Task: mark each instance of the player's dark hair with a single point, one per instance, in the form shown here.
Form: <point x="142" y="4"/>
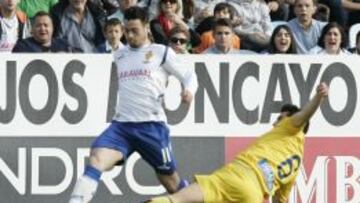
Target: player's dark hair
<point x="136" y="13"/>
<point x="291" y="110"/>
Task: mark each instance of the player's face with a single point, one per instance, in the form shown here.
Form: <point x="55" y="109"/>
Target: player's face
<point x="280" y="117"/>
<point x="136" y="33"/>
<point x="42" y="30"/>
<point x="282" y="40"/>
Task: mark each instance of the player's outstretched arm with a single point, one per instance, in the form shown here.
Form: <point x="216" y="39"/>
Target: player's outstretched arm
<point x="185" y="75"/>
<point x="309" y="109"/>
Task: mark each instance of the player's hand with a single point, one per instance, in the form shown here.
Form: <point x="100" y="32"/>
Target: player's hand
<point x="186" y="96"/>
<point x="322" y="90"/>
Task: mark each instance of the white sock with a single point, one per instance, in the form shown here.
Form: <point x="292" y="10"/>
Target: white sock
<point x="84" y="190"/>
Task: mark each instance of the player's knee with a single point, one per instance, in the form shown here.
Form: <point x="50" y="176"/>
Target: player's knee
<point x="97" y="162"/>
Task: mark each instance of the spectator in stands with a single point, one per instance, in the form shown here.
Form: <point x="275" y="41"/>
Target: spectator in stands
<point x="153" y="7"/>
<point x="123" y="5"/>
<point x="110" y="6"/>
<point x="221" y="10"/>
<point x="336" y="11"/>
<point x="306" y="30"/>
<point x="322" y="13"/>
<point x="31" y="7"/>
<point x="188" y="12"/>
<point x="255" y="28"/>
<point x="14" y="25"/>
<point x="179" y="40"/>
<point x="282" y="41"/>
<point x="353" y="7"/>
<point x="169" y="17"/>
<point x="41" y="40"/>
<point x="79" y="23"/>
<point x="222" y="33"/>
<point x="113" y="32"/>
<point x="332" y="40"/>
<point x="279" y="10"/>
<point x="204" y="9"/>
<point x="356" y="49"/>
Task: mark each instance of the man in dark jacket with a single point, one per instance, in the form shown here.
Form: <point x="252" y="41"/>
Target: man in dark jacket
<point x="41" y="40"/>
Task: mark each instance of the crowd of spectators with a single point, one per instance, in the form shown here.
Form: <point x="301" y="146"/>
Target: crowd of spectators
<point x="188" y="26"/>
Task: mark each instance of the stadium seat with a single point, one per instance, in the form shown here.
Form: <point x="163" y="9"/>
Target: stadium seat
<point x="274" y="24"/>
<point x="354" y="29"/>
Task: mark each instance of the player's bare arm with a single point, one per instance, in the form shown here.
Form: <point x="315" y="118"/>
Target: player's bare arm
<point x="309" y="109"/>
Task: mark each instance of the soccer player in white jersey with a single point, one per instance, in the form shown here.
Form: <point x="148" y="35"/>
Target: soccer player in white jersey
<point x="140" y="122"/>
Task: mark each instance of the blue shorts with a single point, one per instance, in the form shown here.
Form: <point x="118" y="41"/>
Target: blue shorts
<point x="150" y="139"/>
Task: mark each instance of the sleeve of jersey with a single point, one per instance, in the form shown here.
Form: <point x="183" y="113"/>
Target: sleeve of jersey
<point x="175" y="66"/>
<point x="289" y="126"/>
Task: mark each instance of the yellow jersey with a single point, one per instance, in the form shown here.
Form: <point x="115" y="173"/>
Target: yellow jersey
<point x="276" y="157"/>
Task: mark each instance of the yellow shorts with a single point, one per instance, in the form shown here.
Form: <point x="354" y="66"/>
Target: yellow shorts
<point x="233" y="183"/>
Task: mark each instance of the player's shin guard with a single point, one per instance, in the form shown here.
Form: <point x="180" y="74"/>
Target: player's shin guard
<point x="183" y="183"/>
<point x="86" y="186"/>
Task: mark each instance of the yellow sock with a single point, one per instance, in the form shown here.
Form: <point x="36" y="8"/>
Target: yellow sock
<point x="160" y="200"/>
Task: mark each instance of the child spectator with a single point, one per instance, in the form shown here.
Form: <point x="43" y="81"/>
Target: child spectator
<point x="113" y="32"/>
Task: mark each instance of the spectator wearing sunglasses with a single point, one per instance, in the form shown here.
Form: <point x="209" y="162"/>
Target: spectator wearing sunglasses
<point x="179" y="40"/>
<point x="170" y="16"/>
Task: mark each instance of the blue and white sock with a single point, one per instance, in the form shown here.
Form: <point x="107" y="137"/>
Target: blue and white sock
<point x="85" y="187"/>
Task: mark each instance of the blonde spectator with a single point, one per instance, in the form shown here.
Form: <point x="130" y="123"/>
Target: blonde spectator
<point x="332" y="40"/>
<point x="179" y="40"/>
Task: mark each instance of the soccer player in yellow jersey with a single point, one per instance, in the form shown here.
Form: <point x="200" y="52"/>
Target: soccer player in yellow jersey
<point x="267" y="168"/>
